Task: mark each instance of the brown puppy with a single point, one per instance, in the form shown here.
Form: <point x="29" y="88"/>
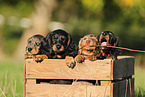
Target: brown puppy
<point x="87" y="45"/>
<point x="33" y="48"/>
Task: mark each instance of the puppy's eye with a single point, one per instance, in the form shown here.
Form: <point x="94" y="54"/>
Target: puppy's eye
<point x="62" y="38"/>
<point x="55" y="37"/>
<point x="29" y="41"/>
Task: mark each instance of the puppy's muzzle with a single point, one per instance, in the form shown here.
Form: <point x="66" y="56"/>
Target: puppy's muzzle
<point x="88" y="42"/>
<point x="58" y="46"/>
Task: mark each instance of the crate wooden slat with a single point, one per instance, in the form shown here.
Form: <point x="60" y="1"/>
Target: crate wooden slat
<point x="122" y="68"/>
<point x="116" y="89"/>
<point x="107" y="69"/>
<point x="114" y="76"/>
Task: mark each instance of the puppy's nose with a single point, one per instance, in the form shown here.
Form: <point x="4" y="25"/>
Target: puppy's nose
<point x="29" y="49"/>
<point x="58" y="47"/>
<point x="88" y="41"/>
<point x="104" y="34"/>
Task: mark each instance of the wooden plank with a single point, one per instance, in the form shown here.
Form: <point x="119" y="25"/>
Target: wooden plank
<point x="124" y="88"/>
<point x="57" y="69"/>
<point x="123" y="67"/>
<point x="106" y="69"/>
<point x="31" y="81"/>
<point x="24" y="82"/>
<point x="105" y="83"/>
<point x="49" y="90"/>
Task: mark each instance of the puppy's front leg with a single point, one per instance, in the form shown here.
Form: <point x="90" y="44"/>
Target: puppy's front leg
<point x="92" y="57"/>
<point x="79" y="58"/>
<point x="29" y="56"/>
<point x="70" y="62"/>
<point x="40" y="58"/>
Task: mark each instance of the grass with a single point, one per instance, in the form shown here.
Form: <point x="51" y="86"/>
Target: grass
<point x="11" y="80"/>
<point x="140" y="82"/>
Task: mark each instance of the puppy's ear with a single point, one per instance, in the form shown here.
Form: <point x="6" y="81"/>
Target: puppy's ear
<point x="70" y="43"/>
<point x="113" y="39"/>
<point x="116" y="41"/>
<point x="45" y="47"/>
<point x="71" y="48"/>
<point x="99" y="40"/>
<point x="80" y="43"/>
<point x="48" y="38"/>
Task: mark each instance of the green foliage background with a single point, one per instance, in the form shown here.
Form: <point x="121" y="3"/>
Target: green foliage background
<point x="125" y="19"/>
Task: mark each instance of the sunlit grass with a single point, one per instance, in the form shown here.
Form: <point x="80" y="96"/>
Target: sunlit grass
<point x="11" y="79"/>
<point x="140" y="82"/>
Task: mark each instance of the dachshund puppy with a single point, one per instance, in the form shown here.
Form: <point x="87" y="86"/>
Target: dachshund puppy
<point x="33" y="48"/>
<point x="58" y="44"/>
<point x="107" y="38"/>
<point x="87" y="45"/>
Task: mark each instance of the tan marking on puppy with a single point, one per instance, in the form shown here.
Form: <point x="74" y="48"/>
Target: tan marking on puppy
<point x="33" y="45"/>
<point x="55" y="49"/>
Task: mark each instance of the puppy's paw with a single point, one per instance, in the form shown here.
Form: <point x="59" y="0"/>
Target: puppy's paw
<point x="70" y="62"/>
<point x="79" y="58"/>
<point x="40" y="58"/>
<point x="92" y="57"/>
<point x="28" y="56"/>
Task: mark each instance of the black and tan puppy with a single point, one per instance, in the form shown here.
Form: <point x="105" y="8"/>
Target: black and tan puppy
<point x="107" y="38"/>
<point x="59" y="44"/>
<point x="33" y="48"/>
<point x="87" y="45"/>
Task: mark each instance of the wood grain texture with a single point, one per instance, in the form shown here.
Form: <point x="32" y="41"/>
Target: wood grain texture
<point x="107" y="69"/>
<point x="24" y="82"/>
<point x="49" y="90"/>
<point x="123" y="67"/>
<point x="113" y="75"/>
<point x="57" y="69"/>
<point x="124" y="88"/>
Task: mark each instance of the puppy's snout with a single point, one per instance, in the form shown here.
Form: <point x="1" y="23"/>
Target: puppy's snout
<point x="58" y="47"/>
<point x="29" y="49"/>
<point x="88" y="41"/>
<point x="104" y="34"/>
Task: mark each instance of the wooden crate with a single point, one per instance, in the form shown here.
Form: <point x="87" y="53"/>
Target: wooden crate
<point x="114" y="77"/>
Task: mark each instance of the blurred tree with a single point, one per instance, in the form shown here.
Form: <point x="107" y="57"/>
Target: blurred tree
<point x="2" y="55"/>
<point x="40" y="22"/>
